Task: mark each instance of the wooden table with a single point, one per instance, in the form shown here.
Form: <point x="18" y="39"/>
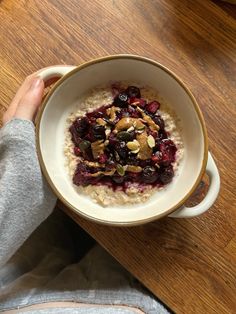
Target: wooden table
<point x="189" y="264"/>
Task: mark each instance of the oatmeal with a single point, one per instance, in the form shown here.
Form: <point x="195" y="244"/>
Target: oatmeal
<point x="122" y="144"/>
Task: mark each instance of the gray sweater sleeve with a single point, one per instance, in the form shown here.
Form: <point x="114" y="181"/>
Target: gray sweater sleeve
<point x="25" y="198"/>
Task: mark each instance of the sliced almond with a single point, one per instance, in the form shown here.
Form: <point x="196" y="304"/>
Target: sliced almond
<point x="107" y="132"/>
<point x="140" y="131"/>
<point x="135" y="151"/>
<point x="133" y="146"/>
<point x="135" y="103"/>
<point x="130" y="129"/>
<point x="100" y="121"/>
<point x="133" y="168"/>
<point x="128" y="122"/>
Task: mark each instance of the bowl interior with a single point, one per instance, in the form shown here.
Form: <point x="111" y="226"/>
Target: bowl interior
<point x="63" y="100"/>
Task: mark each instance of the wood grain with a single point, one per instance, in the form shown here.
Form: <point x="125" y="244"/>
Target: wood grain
<point x="189" y="264"/>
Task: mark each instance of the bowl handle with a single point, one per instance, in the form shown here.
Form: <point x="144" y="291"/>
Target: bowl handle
<point x="55" y="71"/>
<point x="208" y="201"/>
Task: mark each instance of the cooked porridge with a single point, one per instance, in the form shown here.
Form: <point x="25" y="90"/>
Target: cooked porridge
<point x="123" y="143"/>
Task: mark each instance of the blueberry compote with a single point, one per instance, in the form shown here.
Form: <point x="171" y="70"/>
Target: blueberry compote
<point x="123" y="143"/>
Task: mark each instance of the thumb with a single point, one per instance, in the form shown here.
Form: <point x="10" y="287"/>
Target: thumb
<point x="30" y="100"/>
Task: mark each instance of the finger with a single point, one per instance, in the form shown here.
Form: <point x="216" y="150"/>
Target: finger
<point x="14" y="103"/>
<point x="31" y="100"/>
<point x="9" y="114"/>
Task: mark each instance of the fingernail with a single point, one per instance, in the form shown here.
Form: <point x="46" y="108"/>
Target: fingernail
<point x="36" y="82"/>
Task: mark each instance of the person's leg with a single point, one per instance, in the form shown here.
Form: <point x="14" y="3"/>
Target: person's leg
<point x="49" y="267"/>
<point x="99" y="279"/>
<point x="55" y="244"/>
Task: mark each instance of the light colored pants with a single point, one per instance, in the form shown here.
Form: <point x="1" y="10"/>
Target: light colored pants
<point x="49" y="267"/>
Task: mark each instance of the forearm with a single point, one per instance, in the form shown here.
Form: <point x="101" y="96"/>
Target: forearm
<point x="25" y="198"/>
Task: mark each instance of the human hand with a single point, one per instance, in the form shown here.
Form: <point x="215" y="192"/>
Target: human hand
<point x="27" y="100"/>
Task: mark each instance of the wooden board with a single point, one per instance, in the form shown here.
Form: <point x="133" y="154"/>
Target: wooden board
<point x="189" y="264"/>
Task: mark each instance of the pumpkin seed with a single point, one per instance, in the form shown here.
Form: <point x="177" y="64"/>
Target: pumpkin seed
<point x="117" y="157"/>
<point x="120" y="170"/>
<point x="151" y="141"/>
<point x="124" y="136"/>
<point x="84" y="145"/>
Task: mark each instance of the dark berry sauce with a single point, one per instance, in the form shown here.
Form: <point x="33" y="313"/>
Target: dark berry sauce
<point x="123" y="143"/>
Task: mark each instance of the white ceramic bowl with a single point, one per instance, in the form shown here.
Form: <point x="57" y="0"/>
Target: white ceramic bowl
<point x="62" y="100"/>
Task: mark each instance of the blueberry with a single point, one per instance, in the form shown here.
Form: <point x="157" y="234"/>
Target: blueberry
<point x="98" y="132"/>
<point x="121" y="100"/>
<point x="145" y="163"/>
<point x="133" y="91"/>
<point x="81" y="125"/>
<point x="149" y="174"/>
<point x="121" y="149"/>
<point x="159" y="121"/>
<point x="110" y="164"/>
<point x="74" y="135"/>
<point x="118" y="179"/>
<point x="132" y="160"/>
<point x="134" y="176"/>
<point x="162" y="134"/>
<point x="133" y="112"/>
<point x="166" y="175"/>
<point x="113" y="140"/>
<point x="79" y="129"/>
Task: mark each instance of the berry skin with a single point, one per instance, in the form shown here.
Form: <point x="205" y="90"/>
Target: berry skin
<point x="98" y="132"/>
<point x="102" y="159"/>
<point x="121" y="100"/>
<point x="159" y="121"/>
<point x="149" y="174"/>
<point x="152" y="107"/>
<point x="168" y="150"/>
<point x="167" y="175"/>
<point x="77" y="151"/>
<point x="133" y="92"/>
